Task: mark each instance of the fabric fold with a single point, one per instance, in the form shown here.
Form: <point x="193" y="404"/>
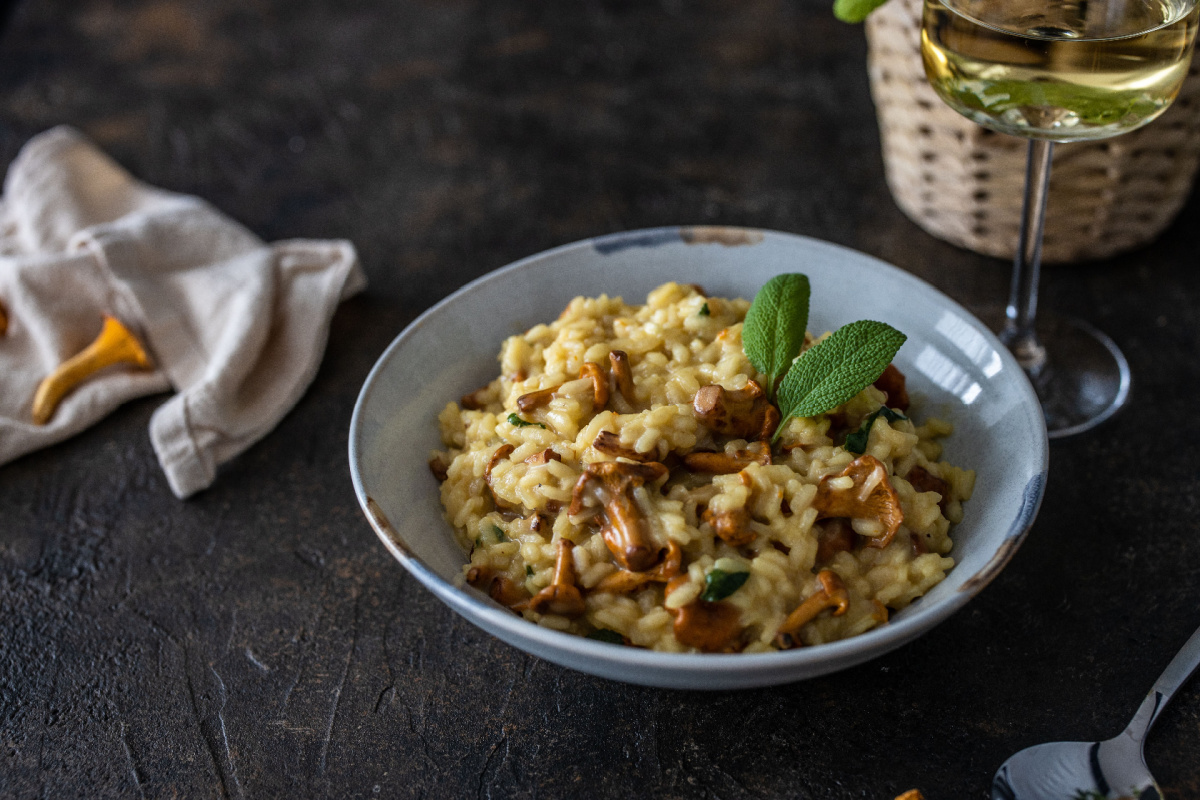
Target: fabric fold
<point x="236" y="326"/>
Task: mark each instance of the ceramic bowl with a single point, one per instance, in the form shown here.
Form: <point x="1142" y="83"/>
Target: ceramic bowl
<point x="956" y="370"/>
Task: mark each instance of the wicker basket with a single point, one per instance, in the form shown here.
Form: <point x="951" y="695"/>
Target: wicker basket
<point x="964" y="183"/>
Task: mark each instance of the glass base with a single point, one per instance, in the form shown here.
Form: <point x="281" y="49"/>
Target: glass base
<point x="1085" y="378"/>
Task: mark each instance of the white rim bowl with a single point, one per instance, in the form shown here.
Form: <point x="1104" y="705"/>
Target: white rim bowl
<point x="956" y="368"/>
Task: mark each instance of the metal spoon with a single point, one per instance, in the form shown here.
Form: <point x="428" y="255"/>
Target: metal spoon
<point x="1097" y="770"/>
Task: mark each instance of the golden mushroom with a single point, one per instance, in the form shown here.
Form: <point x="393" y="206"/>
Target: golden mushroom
<point x="562" y="596"/>
<point x="611" y="484"/>
<point x="114" y="345"/>
<point x="832" y="594"/>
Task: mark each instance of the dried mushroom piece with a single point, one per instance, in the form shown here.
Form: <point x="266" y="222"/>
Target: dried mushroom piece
<point x="832" y="594"/>
<point x="3" y="320"/>
<point x="610" y="484"/>
<point x="732" y="527"/>
<point x="562" y="596"/>
<point x="868" y="495"/>
<point x="709" y="627"/>
<point x="744" y="413"/>
<point x="892" y="383"/>
<point x="114" y="345"/>
<point x="623" y="581"/>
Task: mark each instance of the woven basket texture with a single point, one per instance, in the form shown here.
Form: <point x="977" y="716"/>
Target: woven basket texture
<point x="964" y="183"/>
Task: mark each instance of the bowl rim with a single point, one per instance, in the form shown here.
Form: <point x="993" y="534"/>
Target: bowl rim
<point x="877" y="641"/>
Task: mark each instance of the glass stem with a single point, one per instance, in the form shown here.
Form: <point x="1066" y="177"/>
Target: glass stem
<point x="1019" y="333"/>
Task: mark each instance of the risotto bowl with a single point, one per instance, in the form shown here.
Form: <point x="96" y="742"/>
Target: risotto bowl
<point x="956" y="370"/>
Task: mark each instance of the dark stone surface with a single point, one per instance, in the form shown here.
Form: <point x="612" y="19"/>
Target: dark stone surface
<point x="257" y="640"/>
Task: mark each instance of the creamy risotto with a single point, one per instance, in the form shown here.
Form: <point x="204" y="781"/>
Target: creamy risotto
<point x="617" y="481"/>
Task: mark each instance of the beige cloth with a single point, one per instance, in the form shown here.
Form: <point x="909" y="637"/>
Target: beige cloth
<point x="237" y="327"/>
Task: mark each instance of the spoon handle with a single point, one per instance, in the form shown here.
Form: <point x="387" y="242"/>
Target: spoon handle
<point x="1174" y="676"/>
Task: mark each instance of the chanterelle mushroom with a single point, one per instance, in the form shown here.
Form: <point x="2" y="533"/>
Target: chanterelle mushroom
<point x="832" y="594"/>
<point x="622" y="374"/>
<point x="502" y="452"/>
<point x="623" y="581"/>
<point x="474" y="401"/>
<point x="499" y="588"/>
<point x="114" y="345"/>
<point x="536" y="399"/>
<point x="609" y="443"/>
<point x="925" y="481"/>
<point x="732" y="527"/>
<point x="625" y="530"/>
<point x="869" y="496"/>
<point x="708" y="627"/>
<point x="892" y="383"/>
<point x="592" y="370"/>
<point x="725" y="463"/>
<point x="562" y="595"/>
<point x="745" y="413"/>
<point x="835" y="536"/>
<point x="543" y="457"/>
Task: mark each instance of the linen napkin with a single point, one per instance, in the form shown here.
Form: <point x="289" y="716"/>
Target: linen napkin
<point x="235" y="326"/>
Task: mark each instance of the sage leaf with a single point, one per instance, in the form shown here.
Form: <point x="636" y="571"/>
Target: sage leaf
<point x="854" y="11"/>
<point x="773" y="332"/>
<point x="704" y="312"/>
<point x="605" y="635"/>
<point x="719" y="584"/>
<point x="857" y="442"/>
<point x="517" y="422"/>
<point x="837" y="368"/>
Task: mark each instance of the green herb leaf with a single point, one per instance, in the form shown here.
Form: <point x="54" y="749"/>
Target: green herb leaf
<point x="703" y="312"/>
<point x="719" y="584"/>
<point x="605" y="635"/>
<point x="498" y="532"/>
<point x="857" y="442"/>
<point x="854" y="11"/>
<point x="528" y="571"/>
<point x="836" y="369"/>
<point x="774" y="329"/>
<point x="517" y="422"/>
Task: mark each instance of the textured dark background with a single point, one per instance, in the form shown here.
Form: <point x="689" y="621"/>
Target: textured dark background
<point x="257" y="640"/>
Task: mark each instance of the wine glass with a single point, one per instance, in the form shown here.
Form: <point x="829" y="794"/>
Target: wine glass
<point x="1058" y="71"/>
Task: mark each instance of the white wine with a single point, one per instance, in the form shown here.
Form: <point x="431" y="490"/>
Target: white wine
<point x="1062" y="70"/>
